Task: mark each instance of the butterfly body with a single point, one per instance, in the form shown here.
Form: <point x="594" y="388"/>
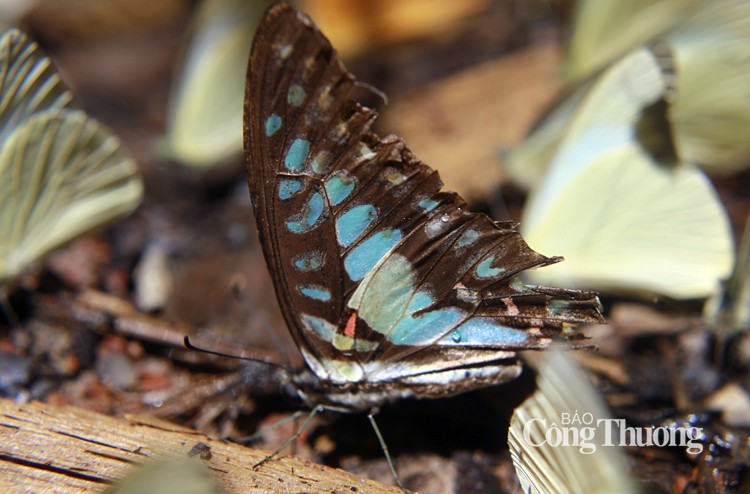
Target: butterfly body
<point x="390" y="288"/>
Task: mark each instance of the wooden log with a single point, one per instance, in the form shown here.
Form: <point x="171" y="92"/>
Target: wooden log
<point x="45" y="449"/>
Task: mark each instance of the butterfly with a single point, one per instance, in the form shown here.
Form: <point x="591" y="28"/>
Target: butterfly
<point x="204" y="124"/>
<point x="702" y="48"/>
<point x="612" y="195"/>
<point x="590" y="463"/>
<point x="390" y="288"/>
<point x="62" y="174"/>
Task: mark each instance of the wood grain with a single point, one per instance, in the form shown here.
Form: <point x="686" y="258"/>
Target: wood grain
<point x="45" y="449"/>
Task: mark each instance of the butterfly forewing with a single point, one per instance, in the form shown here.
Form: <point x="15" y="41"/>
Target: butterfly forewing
<point x="28" y="82"/>
<point x="379" y="274"/>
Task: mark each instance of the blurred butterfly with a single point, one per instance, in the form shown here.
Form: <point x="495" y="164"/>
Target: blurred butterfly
<point x="62" y="174"/>
<point x="204" y="125"/>
<point x="390" y="288"/>
<point x="703" y="49"/>
<point x="592" y="465"/>
<point x="615" y="198"/>
<point x="169" y="477"/>
<point x="601" y="31"/>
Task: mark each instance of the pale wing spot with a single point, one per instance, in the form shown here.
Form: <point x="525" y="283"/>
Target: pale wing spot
<point x="308" y="218"/>
<point x="315" y="292"/>
<point x="352" y="224"/>
<point x="289" y="187"/>
<point x="296" y="95"/>
<point x="339" y="187"/>
<point x="296" y="155"/>
<point x="366" y="255"/>
<point x="309" y="261"/>
<point x="273" y="123"/>
<point x="485" y="270"/>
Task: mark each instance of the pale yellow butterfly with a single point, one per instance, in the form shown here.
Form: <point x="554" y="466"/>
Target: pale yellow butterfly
<point x="62" y="173"/>
<point x="601" y="31"/>
<point x="592" y="463"/>
<point x="622" y="218"/>
<point x="169" y="477"/>
<point x="204" y="124"/>
<point x="707" y="57"/>
<point x="704" y="47"/>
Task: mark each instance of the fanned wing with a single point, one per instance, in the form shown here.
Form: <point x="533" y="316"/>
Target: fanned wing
<point x="205" y="111"/>
<point x="708" y="64"/>
<point x="28" y="82"/>
<point x="603" y="30"/>
<point x="594" y="465"/>
<point x="379" y="274"/>
<point x="624" y="217"/>
<point x="62" y="175"/>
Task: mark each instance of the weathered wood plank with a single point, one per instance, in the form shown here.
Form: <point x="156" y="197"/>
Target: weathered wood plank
<point x="45" y="449"/>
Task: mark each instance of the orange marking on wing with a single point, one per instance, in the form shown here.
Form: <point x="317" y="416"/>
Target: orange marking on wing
<point x="351" y="325"/>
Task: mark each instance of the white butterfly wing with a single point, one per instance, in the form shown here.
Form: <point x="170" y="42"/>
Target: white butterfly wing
<point x="62" y="174"/>
<point x="205" y="114"/>
<point x="621" y="220"/>
<point x="564" y="389"/>
<point x="603" y="30"/>
<point x="527" y="162"/>
<point x="28" y="82"/>
<point x="709" y="104"/>
<point x="603" y="120"/>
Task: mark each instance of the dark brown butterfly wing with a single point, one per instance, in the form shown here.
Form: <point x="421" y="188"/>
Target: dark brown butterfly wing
<point x="381" y="277"/>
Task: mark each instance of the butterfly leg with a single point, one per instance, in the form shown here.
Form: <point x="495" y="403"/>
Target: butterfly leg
<point x="316" y="410"/>
<point x="371" y="417"/>
<point x="249" y="439"/>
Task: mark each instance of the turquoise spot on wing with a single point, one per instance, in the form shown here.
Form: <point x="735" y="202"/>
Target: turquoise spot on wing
<point x="366" y="255"/>
<point x="321" y="163"/>
<point x="308" y="218"/>
<point x="420" y="301"/>
<point x="288" y="187"/>
<point x="485" y="270"/>
<point x="386" y="300"/>
<point x="384" y="294"/>
<point x="426" y="327"/>
<point x="484" y="331"/>
<point x="273" y="123"/>
<point x="297" y="154"/>
<point x="324" y="329"/>
<point x="467" y="238"/>
<point x="309" y="261"/>
<point x="353" y="223"/>
<point x="316" y="292"/>
<point x="428" y="204"/>
<point x="296" y="95"/>
<point x="338" y="188"/>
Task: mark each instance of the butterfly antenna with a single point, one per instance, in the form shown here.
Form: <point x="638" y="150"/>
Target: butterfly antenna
<point x="380" y="94"/>
<point x="384" y="447"/>
<point x="316" y="410"/>
<point x="259" y="360"/>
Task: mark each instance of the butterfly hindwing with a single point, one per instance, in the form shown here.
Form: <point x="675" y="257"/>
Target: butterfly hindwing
<point x="381" y="276"/>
